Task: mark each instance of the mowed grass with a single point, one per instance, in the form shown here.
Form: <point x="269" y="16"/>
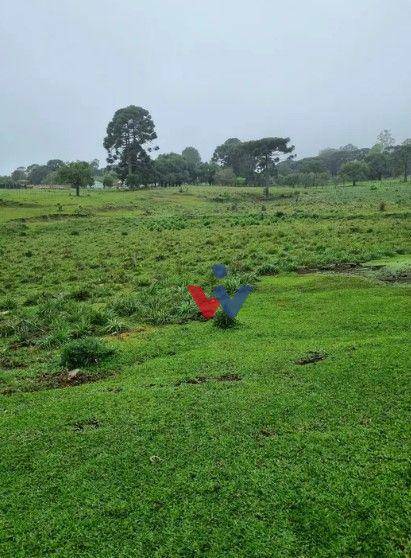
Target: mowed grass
<point x="284" y="436"/>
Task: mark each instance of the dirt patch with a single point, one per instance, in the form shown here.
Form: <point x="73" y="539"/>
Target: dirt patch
<point x="228" y="378"/>
<point x="267" y="433"/>
<point x="338" y="267"/>
<point x="69" y="379"/>
<point x="10" y="363"/>
<point x="9" y="203"/>
<point x="196" y="380"/>
<point x="123" y="336"/>
<point x="204" y="379"/>
<point x="56" y="381"/>
<point x="380" y="272"/>
<point x="311" y="358"/>
<point x="50" y="217"/>
<point x="400" y="277"/>
<point x="89" y="424"/>
<point x="109" y="207"/>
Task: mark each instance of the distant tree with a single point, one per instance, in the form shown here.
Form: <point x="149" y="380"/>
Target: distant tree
<point x="54" y="164"/>
<point x="133" y="181"/>
<point x="191" y="155"/>
<point x="127" y="133"/>
<point x="355" y="171"/>
<point x="52" y="178"/>
<point x="401" y="158"/>
<point x="171" y="169"/>
<point x="377" y="161"/>
<point x="109" y="179"/>
<point x="37" y="173"/>
<point x="227" y="155"/>
<point x="95" y="164"/>
<point x="7" y="182"/>
<point x="143" y="169"/>
<point x="193" y="160"/>
<point x="19" y="174"/>
<point x="312" y="164"/>
<point x="79" y="174"/>
<point x="266" y="153"/>
<point x="386" y="140"/>
<point x="207" y="172"/>
<point x="231" y="154"/>
<point x="225" y="176"/>
<point x="333" y="159"/>
<point x="313" y="170"/>
<point x="349" y="147"/>
<point x="291" y="166"/>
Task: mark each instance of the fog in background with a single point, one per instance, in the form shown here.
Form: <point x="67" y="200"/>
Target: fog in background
<point x="324" y="72"/>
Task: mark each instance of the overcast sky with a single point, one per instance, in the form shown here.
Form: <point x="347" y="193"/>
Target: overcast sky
<point x="324" y="72"/>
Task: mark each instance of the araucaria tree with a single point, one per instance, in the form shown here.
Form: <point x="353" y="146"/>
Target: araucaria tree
<point x="130" y="130"/>
<point x="266" y="153"/>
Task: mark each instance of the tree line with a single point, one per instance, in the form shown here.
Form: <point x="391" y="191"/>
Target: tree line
<point x="130" y="144"/>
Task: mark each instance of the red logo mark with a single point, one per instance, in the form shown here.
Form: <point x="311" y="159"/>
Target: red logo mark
<point x="207" y="306"/>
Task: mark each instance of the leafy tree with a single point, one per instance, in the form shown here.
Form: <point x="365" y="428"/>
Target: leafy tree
<point x="127" y="133"/>
<point x="144" y="173"/>
<point x="227" y="154"/>
<point x="225" y="176"/>
<point x="349" y="147"/>
<point x="37" y="173"/>
<point x="171" y="169"/>
<point x="312" y="164"/>
<point x="313" y="170"/>
<point x="193" y="160"/>
<point x="52" y="178"/>
<point x="133" y="181"/>
<point x="192" y="156"/>
<point x="95" y="164"/>
<point x="207" y="172"/>
<point x="333" y="159"/>
<point x="386" y="140"/>
<point x="7" y="182"/>
<point x="54" y="164"/>
<point x="231" y="154"/>
<point x="19" y="174"/>
<point x="79" y="174"/>
<point x="355" y="171"/>
<point x="291" y="166"/>
<point x="109" y="178"/>
<point x="266" y="153"/>
<point x="377" y="162"/>
<point x="401" y="157"/>
<point x="223" y="154"/>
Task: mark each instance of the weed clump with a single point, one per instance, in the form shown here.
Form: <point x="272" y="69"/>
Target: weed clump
<point x="222" y="321"/>
<point x="126" y="306"/>
<point x="84" y="352"/>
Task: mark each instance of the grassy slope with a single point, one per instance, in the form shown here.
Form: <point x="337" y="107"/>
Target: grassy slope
<point x="289" y="460"/>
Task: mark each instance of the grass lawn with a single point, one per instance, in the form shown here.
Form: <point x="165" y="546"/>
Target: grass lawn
<point x="286" y="435"/>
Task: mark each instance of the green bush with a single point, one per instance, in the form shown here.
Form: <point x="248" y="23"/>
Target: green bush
<point x="84" y="352"/>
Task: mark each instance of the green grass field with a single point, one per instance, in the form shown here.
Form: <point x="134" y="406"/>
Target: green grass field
<point x="284" y="436"/>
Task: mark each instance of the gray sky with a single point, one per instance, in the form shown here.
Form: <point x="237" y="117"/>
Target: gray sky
<point x="324" y="72"/>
